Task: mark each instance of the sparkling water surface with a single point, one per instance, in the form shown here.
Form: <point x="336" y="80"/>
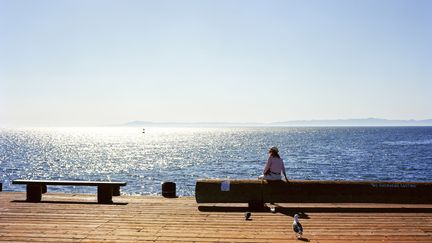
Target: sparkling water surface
<point x="183" y="155"/>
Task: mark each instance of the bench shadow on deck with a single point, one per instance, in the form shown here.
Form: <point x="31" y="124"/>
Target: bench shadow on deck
<point x="290" y="211"/>
<point x="67" y="202"/>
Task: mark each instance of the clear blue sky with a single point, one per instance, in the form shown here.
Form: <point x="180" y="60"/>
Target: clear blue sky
<point x="70" y="63"/>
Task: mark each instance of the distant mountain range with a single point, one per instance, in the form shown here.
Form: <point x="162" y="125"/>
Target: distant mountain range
<point x="337" y="122"/>
<point x="358" y="122"/>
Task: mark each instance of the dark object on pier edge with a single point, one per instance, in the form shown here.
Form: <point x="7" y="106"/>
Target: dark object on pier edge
<point x="169" y="189"/>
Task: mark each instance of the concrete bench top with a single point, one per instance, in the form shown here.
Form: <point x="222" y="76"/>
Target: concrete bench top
<point x="70" y="183"/>
<point x="105" y="189"/>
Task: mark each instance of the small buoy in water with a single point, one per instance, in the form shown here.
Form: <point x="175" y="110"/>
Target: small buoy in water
<point x="169" y="189"/>
<point x="247" y="215"/>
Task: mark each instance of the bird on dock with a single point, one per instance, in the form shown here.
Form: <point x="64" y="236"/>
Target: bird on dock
<point x="297" y="227"/>
<point x="247" y="215"/>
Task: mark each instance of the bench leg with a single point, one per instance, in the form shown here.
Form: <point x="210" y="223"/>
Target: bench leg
<point x="116" y="190"/>
<point x="104" y="194"/>
<point x="44" y="189"/>
<point x="34" y="193"/>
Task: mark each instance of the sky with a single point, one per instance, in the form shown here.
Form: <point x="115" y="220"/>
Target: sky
<point x="85" y="63"/>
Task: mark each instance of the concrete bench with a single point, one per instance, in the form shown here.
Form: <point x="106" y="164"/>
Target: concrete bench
<point x="105" y="189"/>
<point x="258" y="192"/>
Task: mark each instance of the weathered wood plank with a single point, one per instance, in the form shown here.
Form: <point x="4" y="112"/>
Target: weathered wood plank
<point x="74" y="218"/>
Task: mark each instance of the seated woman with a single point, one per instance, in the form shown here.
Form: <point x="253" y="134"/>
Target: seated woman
<point x="274" y="166"/>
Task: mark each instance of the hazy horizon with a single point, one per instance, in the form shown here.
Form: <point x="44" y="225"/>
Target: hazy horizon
<point x="89" y="63"/>
<point x="360" y="122"/>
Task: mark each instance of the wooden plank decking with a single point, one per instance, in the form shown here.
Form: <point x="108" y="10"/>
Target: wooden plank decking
<point x="78" y="218"/>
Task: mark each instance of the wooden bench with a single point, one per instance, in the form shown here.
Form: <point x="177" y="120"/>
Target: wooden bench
<point x="258" y="192"/>
<point x="105" y="189"/>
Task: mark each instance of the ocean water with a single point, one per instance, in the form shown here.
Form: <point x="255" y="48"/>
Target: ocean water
<point x="183" y="155"/>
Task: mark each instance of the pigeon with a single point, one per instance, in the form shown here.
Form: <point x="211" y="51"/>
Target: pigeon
<point x="247" y="215"/>
<point x="297" y="227"/>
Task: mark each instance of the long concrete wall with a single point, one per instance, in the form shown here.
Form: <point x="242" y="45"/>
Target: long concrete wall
<point x="244" y="191"/>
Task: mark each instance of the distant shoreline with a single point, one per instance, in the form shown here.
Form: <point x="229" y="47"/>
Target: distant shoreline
<point x="369" y="122"/>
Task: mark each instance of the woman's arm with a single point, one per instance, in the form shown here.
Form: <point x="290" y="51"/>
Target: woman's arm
<point x="283" y="171"/>
<point x="267" y="167"/>
<point x="286" y="178"/>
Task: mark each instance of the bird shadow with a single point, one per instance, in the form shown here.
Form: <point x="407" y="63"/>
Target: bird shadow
<point x="291" y="211"/>
<point x="303" y="239"/>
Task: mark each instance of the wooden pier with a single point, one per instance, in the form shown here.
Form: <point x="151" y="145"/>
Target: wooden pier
<point x="78" y="218"/>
